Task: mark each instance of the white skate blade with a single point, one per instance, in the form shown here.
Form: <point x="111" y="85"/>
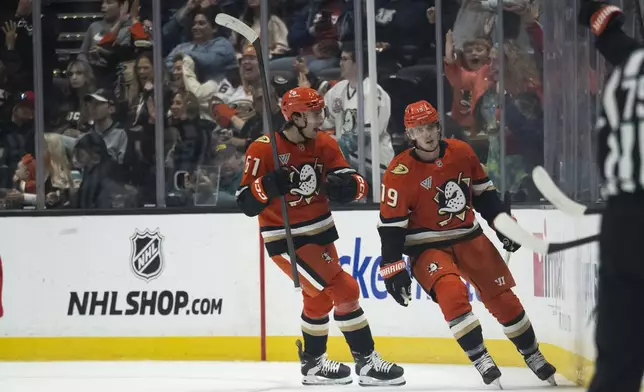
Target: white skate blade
<point x="366" y="381"/>
<point x="552" y="381"/>
<point x="497" y="382"/>
<point x="317" y="380"/>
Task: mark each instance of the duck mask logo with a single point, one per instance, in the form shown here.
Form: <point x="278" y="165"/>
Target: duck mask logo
<point x="307" y="180"/>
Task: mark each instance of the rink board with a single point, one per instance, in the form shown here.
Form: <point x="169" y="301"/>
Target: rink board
<point x="188" y="287"/>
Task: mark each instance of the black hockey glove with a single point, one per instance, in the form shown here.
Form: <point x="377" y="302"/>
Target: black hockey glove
<point x="278" y="182"/>
<point x="508" y="244"/>
<point x="599" y="16"/>
<point x="341" y="188"/>
<point x="397" y="280"/>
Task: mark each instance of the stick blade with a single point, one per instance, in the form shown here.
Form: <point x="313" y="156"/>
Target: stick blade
<point x="237" y="26"/>
<point x="554" y="195"/>
<point x="511" y="229"/>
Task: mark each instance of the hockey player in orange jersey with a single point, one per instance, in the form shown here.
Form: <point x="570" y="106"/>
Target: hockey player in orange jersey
<point x="313" y="171"/>
<point x="429" y="194"/>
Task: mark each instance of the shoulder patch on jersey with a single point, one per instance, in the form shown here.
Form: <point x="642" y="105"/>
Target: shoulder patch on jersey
<point x="400" y="169"/>
<point x="263" y="139"/>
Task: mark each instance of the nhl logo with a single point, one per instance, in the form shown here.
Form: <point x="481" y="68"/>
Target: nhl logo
<point x="146" y="258"/>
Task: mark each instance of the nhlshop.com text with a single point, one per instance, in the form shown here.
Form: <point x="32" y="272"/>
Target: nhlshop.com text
<point x="140" y="303"/>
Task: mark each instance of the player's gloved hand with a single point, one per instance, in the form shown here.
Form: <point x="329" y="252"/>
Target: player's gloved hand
<point x="508" y="244"/>
<point x="278" y="182"/>
<point x="397" y="280"/>
<point x="341" y="188"/>
<point x="599" y="16"/>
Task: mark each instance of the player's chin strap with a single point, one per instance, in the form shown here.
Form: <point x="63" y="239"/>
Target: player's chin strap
<point x="300" y="130"/>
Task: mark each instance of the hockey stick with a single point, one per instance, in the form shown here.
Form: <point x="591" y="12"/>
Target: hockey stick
<point x="510" y="228"/>
<point x="557" y="198"/>
<point x="242" y="29"/>
<point x="508" y="207"/>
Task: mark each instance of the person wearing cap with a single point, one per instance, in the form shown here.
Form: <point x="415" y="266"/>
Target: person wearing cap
<point x="230" y="163"/>
<point x="16" y="137"/>
<point x="214" y="55"/>
<point x="101" y="110"/>
<point x="254" y="126"/>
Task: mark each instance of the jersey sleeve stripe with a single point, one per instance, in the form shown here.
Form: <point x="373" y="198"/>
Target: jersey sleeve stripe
<point x="342" y="170"/>
<point x="480" y="188"/>
<point x="240" y="191"/>
<point x="393" y="222"/>
<point x="429" y="236"/>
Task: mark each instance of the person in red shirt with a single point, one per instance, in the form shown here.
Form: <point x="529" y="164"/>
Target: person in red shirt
<point x="429" y="195"/>
<point x="313" y="172"/>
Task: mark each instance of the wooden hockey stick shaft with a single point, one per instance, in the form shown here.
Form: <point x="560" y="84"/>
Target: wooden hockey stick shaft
<point x="241" y="28"/>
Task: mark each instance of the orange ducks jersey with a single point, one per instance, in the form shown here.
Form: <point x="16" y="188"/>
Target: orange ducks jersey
<point x="430" y="204"/>
<point x="308" y="207"/>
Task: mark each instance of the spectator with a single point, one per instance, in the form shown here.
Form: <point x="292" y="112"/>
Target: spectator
<point x="80" y="83"/>
<point x="16" y="137"/>
<point x="474" y="15"/>
<point x="250" y="69"/>
<point x="192" y="149"/>
<point x="142" y="89"/>
<point x="177" y="30"/>
<point x="469" y="74"/>
<point x="230" y="162"/>
<point x="103" y="60"/>
<point x="17" y="55"/>
<point x="101" y="109"/>
<point x="314" y="36"/>
<point x="254" y="126"/>
<point x="58" y="178"/>
<point x="277" y="31"/>
<point x="402" y="28"/>
<point x="214" y="56"/>
<point x="224" y="92"/>
<point x="342" y="102"/>
<point x="101" y="185"/>
<point x="176" y="76"/>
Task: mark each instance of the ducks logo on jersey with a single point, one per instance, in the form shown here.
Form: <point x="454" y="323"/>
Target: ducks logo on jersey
<point x="307" y="177"/>
<point x="452" y="199"/>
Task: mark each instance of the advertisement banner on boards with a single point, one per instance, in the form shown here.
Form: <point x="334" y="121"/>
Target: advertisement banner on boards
<point x="156" y="275"/>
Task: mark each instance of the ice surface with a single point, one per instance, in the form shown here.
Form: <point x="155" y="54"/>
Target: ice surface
<point x="238" y="377"/>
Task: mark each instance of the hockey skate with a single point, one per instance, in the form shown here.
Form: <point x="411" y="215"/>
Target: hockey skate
<point x="375" y="371"/>
<point x="488" y="369"/>
<point x="541" y="368"/>
<point x="322" y="370"/>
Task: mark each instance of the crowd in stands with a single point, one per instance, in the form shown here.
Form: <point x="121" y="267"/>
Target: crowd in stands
<point x="100" y="108"/>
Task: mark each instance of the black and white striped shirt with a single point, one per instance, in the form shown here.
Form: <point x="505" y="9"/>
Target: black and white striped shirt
<point x="621" y="128"/>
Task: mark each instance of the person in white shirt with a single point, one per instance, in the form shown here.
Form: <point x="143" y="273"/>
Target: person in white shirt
<point x="342" y="104"/>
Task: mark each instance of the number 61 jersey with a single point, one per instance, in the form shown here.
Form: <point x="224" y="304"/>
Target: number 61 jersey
<point x="308" y="206"/>
<point x="430" y="204"/>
